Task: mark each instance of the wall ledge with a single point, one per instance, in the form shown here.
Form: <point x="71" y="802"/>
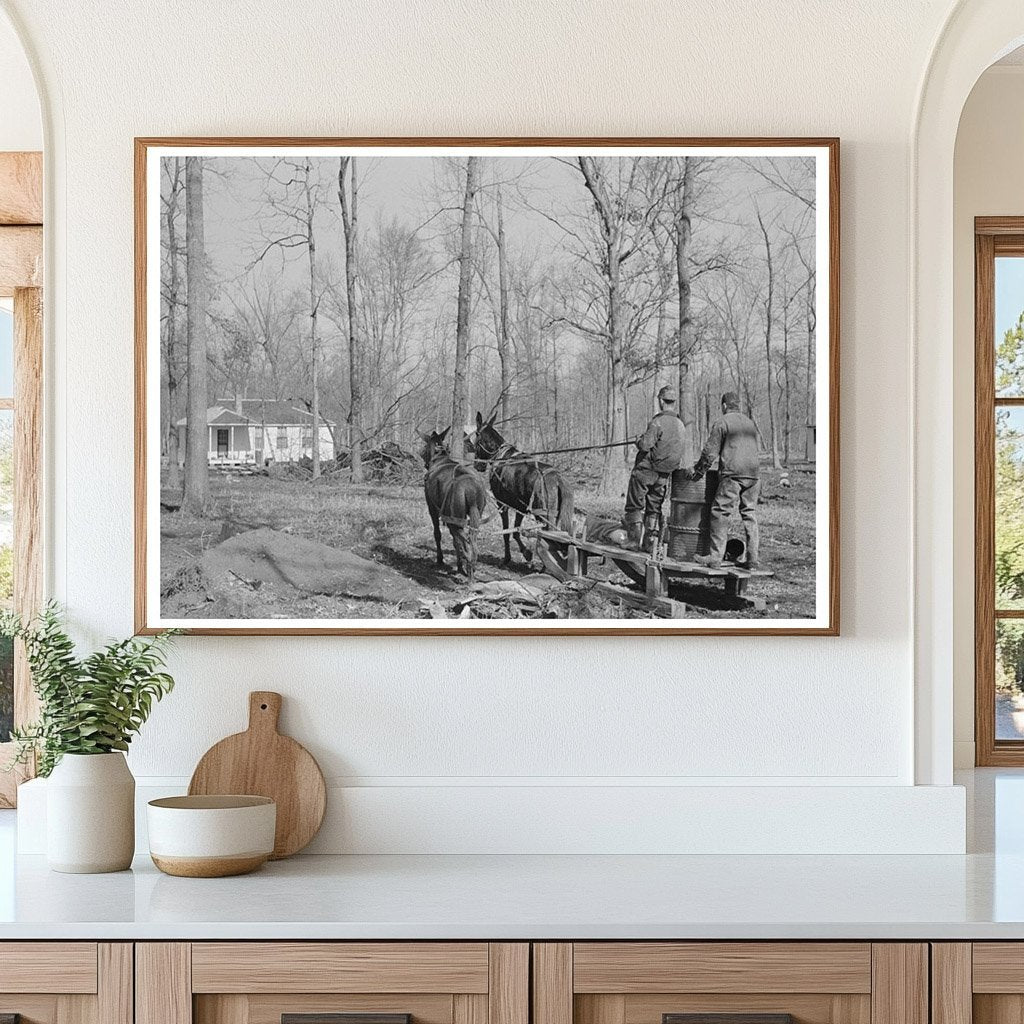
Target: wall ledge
<point x="680" y="819"/>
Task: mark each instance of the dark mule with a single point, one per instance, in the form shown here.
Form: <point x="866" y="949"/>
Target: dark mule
<point x="522" y="483"/>
<point x="457" y="495"/>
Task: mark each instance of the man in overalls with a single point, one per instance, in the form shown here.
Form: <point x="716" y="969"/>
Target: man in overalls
<point x="731" y="449"/>
<point x="661" y="451"/>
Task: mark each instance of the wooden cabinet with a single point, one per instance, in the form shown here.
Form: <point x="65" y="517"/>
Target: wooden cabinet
<point x="307" y="982"/>
<point x="494" y="983"/>
<point x="66" y="982"/>
<point x="757" y="982"/>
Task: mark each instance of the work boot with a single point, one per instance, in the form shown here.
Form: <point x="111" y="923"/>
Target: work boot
<point x="652" y="533"/>
<point x="752" y="561"/>
<point x="634" y="524"/>
<point x="719" y="536"/>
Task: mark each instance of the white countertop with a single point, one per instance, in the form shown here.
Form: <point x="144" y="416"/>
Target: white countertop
<point x="978" y="896"/>
<point x="516" y="897"/>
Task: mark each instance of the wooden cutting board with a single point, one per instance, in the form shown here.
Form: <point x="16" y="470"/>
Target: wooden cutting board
<point x="262" y="762"/>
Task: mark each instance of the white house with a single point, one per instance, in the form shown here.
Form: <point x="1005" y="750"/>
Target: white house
<point x="256" y="431"/>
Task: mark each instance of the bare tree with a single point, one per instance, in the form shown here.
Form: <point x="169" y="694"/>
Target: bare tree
<point x="683" y="233"/>
<point x="769" y="319"/>
<point x="504" y="353"/>
<point x="810" y="324"/>
<point x="172" y="299"/>
<point x="350" y="225"/>
<point x="293" y="196"/>
<point x="626" y="201"/>
<point x="197" y="470"/>
<point x="314" y="303"/>
<point x="460" y="395"/>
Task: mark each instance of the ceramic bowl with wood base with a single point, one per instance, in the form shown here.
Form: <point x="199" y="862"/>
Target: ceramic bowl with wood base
<point x="211" y="836"/>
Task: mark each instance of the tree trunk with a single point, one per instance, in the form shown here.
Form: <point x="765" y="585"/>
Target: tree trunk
<point x="460" y="395"/>
<point x="769" y="313"/>
<point x="617" y="458"/>
<point x="787" y="409"/>
<point x="811" y="320"/>
<point x="173" y="285"/>
<point x="683" y="232"/>
<point x="313" y="336"/>
<point x="504" y="355"/>
<point x="197" y="470"/>
<point x="615" y="468"/>
<point x="350" y="226"/>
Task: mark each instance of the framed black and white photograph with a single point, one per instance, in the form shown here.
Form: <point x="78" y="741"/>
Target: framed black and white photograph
<point x="487" y="386"/>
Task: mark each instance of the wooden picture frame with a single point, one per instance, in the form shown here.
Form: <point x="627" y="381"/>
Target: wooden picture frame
<point x="825" y="619"/>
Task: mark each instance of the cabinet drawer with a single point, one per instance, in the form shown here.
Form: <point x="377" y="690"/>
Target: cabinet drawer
<point x="752" y="967"/>
<point x="332" y="983"/>
<point x="730" y="983"/>
<point x="340" y="967"/>
<point x="65" y="967"/>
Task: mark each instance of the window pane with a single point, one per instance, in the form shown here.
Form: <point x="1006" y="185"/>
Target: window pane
<point x="6" y="353"/>
<point x="1009" y="524"/>
<point x="1009" y="320"/>
<point x="1009" y="679"/>
<point x="6" y="566"/>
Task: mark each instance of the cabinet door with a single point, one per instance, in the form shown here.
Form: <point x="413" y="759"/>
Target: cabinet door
<point x="730" y="983"/>
<point x="66" y="983"/>
<point x="980" y="982"/>
<point x="332" y="983"/>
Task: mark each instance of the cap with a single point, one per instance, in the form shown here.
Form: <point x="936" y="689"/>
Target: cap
<point x="668" y="394"/>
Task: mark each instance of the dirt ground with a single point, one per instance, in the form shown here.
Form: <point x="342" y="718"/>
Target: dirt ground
<point x="388" y="525"/>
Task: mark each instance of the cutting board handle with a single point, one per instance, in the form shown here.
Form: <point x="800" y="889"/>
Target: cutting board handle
<point x="264" y="710"/>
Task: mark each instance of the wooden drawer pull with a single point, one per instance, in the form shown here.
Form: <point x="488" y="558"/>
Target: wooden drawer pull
<point x="726" y="1018"/>
<point x="339" y="1018"/>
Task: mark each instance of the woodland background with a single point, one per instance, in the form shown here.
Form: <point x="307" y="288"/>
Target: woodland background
<point x="396" y="294"/>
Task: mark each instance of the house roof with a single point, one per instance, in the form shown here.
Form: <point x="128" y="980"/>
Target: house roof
<point x="256" y="412"/>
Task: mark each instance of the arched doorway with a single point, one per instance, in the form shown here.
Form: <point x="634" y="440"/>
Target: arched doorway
<point x="976" y="34"/>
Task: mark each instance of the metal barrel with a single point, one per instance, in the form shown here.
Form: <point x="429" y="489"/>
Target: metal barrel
<point x="689" y="523"/>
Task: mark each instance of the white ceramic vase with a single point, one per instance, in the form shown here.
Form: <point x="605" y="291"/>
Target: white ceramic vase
<point x="90" y="814"/>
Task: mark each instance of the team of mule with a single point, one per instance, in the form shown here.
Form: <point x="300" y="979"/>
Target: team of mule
<point x="521" y="484"/>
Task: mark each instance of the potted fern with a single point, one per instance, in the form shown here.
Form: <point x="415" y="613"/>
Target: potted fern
<point x="90" y="708"/>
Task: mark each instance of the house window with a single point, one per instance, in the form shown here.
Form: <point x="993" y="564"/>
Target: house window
<point x="282" y="439"/>
<point x="223" y="441"/>
<point x="999" y="491"/>
<point x="307" y="437"/>
<point x="258" y="434"/>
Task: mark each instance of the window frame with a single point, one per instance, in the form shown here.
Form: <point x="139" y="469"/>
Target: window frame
<point x="993" y="237"/>
<point x="21" y="278"/>
<point x="27" y="406"/>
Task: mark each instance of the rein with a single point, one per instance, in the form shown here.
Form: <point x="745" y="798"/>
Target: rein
<point x="530" y="456"/>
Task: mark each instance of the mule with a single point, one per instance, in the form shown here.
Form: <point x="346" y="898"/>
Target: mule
<point x="522" y="484"/>
<point x="457" y="495"/>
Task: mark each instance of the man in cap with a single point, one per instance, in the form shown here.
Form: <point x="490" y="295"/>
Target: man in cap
<point x="731" y="449"/>
<point x="660" y="452"/>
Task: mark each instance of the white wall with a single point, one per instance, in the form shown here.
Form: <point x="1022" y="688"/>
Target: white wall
<point x="987" y="181"/>
<point x="445" y="714"/>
